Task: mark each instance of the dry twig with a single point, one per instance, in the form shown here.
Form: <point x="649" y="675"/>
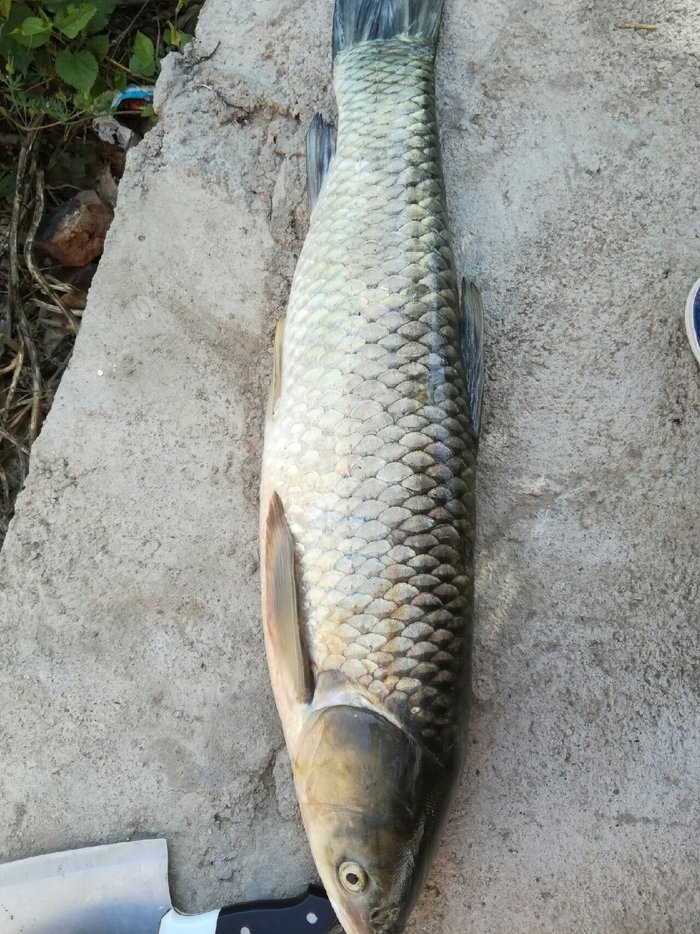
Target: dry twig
<point x="36" y="273"/>
<point x="649" y="27"/>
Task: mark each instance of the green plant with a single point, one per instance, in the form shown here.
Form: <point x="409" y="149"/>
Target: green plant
<point x="61" y="58"/>
<point x="177" y="38"/>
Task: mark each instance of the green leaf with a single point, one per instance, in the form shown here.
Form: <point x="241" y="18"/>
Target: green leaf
<point x="17" y="57"/>
<point x="175" y="38"/>
<point x="15" y="15"/>
<point x="34" y="25"/>
<point x="143" y="60"/>
<point x="82" y="102"/>
<point x="5" y="8"/>
<point x="143" y="47"/>
<point x="78" y="69"/>
<point x="102" y="102"/>
<point x="10" y="49"/>
<point x="74" y="19"/>
<point x="99" y="46"/>
<point x="55" y="5"/>
<point x="172" y="36"/>
<point x="104" y="8"/>
<point x="33" y="32"/>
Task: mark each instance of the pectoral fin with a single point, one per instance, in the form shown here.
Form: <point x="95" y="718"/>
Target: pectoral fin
<point x="281" y="608"/>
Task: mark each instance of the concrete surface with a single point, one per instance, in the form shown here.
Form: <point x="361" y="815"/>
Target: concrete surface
<point x="133" y="691"/>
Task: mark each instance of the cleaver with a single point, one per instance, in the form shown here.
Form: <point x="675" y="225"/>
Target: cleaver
<point x="122" y="888"/>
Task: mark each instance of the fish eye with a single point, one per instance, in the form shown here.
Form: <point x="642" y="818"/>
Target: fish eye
<point x="353" y="878"/>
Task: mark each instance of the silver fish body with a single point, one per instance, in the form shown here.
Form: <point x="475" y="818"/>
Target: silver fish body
<point x="368" y="480"/>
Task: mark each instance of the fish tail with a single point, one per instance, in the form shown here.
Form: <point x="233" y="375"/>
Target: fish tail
<point x="357" y="21"/>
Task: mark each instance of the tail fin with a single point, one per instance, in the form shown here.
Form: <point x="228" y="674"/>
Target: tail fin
<point x="357" y="21"/>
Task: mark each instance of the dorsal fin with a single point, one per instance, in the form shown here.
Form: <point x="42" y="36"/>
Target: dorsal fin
<point x="320" y="146"/>
<point x="472" y="347"/>
<point x="281" y="607"/>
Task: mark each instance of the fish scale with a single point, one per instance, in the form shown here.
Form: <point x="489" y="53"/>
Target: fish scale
<point x="370" y="448"/>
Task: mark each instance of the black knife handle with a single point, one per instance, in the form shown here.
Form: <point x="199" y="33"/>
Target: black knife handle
<point x="310" y="913"/>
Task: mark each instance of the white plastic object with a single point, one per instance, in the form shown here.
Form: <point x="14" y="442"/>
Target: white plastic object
<point x="176" y="923"/>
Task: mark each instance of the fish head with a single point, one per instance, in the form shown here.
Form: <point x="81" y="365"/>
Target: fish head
<point x="373" y="800"/>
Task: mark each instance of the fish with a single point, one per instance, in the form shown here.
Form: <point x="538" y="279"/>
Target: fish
<point x="367" y="517"/>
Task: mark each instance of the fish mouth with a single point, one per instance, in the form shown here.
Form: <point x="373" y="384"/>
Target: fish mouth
<point x="380" y="920"/>
<point x="386" y="920"/>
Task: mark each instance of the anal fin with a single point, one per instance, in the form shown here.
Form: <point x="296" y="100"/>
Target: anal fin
<point x="281" y="607"/>
<point x="472" y="348"/>
<point x="320" y="147"/>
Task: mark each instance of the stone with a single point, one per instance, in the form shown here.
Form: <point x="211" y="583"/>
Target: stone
<point x="74" y="233"/>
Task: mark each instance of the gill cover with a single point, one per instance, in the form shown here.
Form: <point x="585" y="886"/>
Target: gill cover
<point x="373" y="802"/>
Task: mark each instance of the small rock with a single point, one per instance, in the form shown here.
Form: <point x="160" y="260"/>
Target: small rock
<point x="75" y="232"/>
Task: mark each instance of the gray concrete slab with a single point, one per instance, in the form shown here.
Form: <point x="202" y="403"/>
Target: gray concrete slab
<point x="133" y="691"/>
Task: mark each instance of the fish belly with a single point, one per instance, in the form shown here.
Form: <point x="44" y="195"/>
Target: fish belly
<point x="370" y="447"/>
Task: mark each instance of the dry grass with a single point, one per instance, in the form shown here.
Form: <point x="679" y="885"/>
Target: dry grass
<point x="39" y="319"/>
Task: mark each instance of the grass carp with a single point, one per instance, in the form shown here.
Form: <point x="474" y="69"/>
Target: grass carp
<point x="367" y="494"/>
